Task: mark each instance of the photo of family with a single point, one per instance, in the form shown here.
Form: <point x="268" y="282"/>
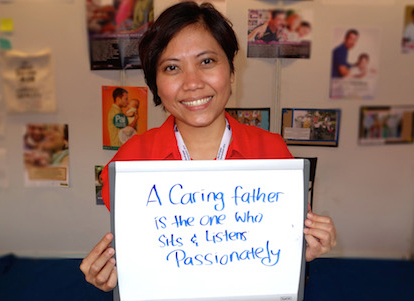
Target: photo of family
<point x="279" y="33"/>
<point x="98" y="185"/>
<point x="46" y="154"/>
<point x="408" y="33"/>
<point x="124" y="114"/>
<point x="310" y="126"/>
<point x="354" y="67"/>
<point x="114" y="30"/>
<point x="258" y="117"/>
<point x="386" y="124"/>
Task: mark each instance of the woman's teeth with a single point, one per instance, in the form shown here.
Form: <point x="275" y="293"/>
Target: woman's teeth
<point x="197" y="102"/>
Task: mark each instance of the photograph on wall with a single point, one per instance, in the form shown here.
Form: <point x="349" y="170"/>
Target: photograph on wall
<point x="355" y="61"/>
<point x="386" y="124"/>
<point x="408" y="33"/>
<point x="317" y="127"/>
<point x="124" y="114"/>
<point x="259" y="117"/>
<point x="98" y="185"/>
<point x="28" y="81"/>
<point x="279" y="33"/>
<point x="114" y="29"/>
<point x="46" y="155"/>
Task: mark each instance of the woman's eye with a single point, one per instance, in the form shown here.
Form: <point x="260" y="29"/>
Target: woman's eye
<point x="170" y="68"/>
<point x="207" y="61"/>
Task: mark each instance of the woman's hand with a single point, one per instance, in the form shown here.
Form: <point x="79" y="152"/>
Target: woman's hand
<point x="320" y="234"/>
<point x="99" y="266"/>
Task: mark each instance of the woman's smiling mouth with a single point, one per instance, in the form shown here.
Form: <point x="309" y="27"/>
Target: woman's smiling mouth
<point x="198" y="102"/>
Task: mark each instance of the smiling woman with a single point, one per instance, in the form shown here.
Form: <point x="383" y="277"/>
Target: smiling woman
<point x="187" y="57"/>
<point x="194" y="83"/>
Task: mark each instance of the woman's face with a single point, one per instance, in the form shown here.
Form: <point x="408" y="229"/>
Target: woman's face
<point x="194" y="78"/>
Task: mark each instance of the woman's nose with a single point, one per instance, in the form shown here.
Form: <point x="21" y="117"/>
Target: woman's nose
<point x="193" y="80"/>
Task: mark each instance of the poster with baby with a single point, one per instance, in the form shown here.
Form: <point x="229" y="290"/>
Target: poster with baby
<point x="124" y="114"/>
<point x="355" y="61"/>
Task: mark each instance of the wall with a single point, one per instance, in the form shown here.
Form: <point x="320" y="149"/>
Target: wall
<point x="368" y="191"/>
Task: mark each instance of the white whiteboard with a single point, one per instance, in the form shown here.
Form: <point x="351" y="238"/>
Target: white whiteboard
<point x="208" y="229"/>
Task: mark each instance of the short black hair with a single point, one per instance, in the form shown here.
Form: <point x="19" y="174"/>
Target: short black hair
<point x="305" y="24"/>
<point x="363" y="56"/>
<point x="66" y="135"/>
<point x="351" y="31"/>
<point x="276" y="12"/>
<point x="169" y="23"/>
<point x="118" y="92"/>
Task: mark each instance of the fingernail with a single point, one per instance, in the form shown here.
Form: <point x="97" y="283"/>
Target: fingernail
<point x="111" y="252"/>
<point x="310" y="214"/>
<point x="308" y="222"/>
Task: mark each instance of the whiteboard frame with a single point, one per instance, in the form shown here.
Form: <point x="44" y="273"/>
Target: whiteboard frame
<point x="213" y="165"/>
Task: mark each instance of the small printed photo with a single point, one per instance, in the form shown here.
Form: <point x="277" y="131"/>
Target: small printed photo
<point x="124" y="114"/>
<point x="408" y="33"/>
<point x="386" y="124"/>
<point x="259" y="117"/>
<point x="317" y="127"/>
<point x="46" y="155"/>
<point x="98" y="184"/>
<point x="279" y="33"/>
<point x="355" y="61"/>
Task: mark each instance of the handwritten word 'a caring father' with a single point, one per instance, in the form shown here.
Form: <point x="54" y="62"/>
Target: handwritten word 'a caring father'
<point x="178" y="195"/>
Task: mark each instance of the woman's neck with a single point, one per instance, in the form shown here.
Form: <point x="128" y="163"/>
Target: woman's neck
<point x="203" y="143"/>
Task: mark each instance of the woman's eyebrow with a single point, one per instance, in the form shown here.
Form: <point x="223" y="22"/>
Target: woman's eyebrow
<point x="206" y="52"/>
<point x="173" y="59"/>
<point x="168" y="59"/>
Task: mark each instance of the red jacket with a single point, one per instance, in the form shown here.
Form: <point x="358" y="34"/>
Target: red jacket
<point x="248" y="142"/>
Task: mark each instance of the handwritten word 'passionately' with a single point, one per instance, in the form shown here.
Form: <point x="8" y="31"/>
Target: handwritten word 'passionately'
<point x="265" y="255"/>
<point x="177" y="196"/>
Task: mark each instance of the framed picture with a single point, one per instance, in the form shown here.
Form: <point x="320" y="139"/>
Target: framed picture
<point x="386" y="124"/>
<point x="315" y="127"/>
<point x="259" y="117"/>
